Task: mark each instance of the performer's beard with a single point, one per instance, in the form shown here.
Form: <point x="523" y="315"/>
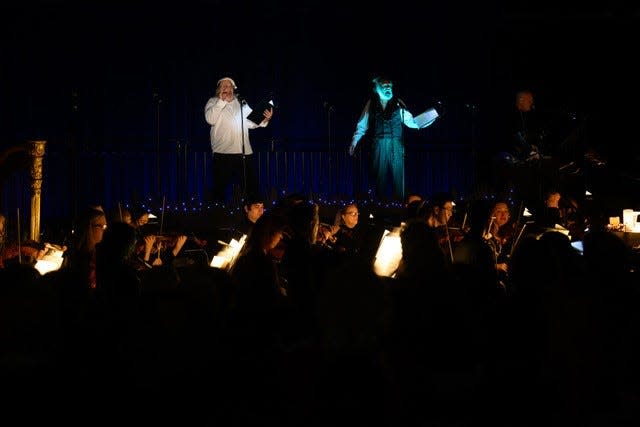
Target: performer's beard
<point x="384" y="94"/>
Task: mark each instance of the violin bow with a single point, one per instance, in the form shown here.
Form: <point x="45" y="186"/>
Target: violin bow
<point x="19" y="248"/>
<point x="164" y="199"/>
<point x="515" y="243"/>
<point x="520" y="212"/>
<point x="487" y="231"/>
<point x="446" y="230"/>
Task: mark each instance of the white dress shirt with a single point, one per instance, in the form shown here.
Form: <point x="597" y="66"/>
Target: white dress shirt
<point x="226" y="122"/>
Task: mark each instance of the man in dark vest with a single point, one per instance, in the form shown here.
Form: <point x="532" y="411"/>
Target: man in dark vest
<point x="382" y="119"/>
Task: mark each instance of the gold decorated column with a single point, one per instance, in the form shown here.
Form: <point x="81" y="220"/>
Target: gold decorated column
<point x="36" y="153"/>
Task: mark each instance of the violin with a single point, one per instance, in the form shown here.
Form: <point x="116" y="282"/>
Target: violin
<point x="326" y="234"/>
<point x="170" y="240"/>
<point x="29" y="250"/>
<point x="150" y="248"/>
<point x="166" y="240"/>
<point x="502" y="242"/>
<point x="505" y="233"/>
<point x="277" y="253"/>
<point x="447" y="236"/>
<point x="452" y="234"/>
<point x="456" y="234"/>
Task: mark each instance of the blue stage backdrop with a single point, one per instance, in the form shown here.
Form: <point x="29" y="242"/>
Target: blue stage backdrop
<point x="183" y="175"/>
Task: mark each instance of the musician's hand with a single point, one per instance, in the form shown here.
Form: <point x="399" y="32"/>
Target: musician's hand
<point x="199" y="242"/>
<point x="48" y="245"/>
<point x="282" y="291"/>
<point x="329" y="233"/>
<point x="149" y="241"/>
<point x="179" y="244"/>
<point x="457" y="237"/>
<point x="534" y="155"/>
<point x="268" y="114"/>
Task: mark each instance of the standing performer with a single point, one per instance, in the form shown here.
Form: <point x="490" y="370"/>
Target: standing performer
<point x="383" y="116"/>
<point x="229" y="134"/>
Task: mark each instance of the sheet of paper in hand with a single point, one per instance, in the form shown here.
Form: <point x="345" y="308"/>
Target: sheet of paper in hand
<point x="257" y="115"/>
<point x="425" y="119"/>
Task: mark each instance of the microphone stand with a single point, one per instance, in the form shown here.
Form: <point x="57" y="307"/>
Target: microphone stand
<point x="19" y="238"/>
<point x="329" y="111"/>
<point x="244" y="161"/>
<point x="474" y="148"/>
<point x="402" y="106"/>
<point x="158" y="101"/>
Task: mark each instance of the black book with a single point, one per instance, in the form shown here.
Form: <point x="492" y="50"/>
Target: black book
<point x="257" y="115"/>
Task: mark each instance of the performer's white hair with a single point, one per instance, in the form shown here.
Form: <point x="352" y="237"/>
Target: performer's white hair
<point x="227" y="78"/>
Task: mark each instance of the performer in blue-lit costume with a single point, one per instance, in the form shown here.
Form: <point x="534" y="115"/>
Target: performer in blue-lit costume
<point x="383" y="116"/>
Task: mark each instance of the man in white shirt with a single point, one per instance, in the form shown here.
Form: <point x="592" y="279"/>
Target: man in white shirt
<point x="229" y="135"/>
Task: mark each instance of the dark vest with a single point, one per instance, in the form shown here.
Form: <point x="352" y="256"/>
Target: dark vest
<point x="385" y="124"/>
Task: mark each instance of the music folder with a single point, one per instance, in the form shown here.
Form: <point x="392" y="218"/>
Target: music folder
<point x="426" y="118"/>
<point x="257" y="114"/>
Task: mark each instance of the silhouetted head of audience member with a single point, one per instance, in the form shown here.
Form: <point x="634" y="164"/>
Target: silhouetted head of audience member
<point x="421" y="251"/>
<point x="119" y="242"/>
